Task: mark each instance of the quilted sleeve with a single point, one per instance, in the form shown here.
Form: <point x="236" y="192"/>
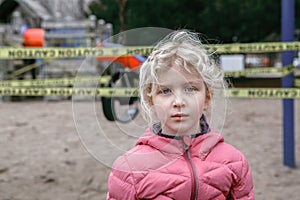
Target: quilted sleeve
<point x="243" y="189"/>
<point x="120" y="186"/>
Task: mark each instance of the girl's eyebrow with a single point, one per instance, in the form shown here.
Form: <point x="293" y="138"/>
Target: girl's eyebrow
<point x="197" y="82"/>
<point x="200" y="82"/>
<point x="162" y="85"/>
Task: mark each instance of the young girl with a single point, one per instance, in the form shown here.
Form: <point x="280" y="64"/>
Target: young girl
<point x="180" y="157"/>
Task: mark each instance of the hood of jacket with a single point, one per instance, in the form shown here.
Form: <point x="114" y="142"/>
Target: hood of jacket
<point x="201" y="145"/>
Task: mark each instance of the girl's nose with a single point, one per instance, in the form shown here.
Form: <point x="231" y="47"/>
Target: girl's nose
<point x="178" y="101"/>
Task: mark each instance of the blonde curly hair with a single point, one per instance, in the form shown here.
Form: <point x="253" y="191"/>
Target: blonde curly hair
<point x="181" y="48"/>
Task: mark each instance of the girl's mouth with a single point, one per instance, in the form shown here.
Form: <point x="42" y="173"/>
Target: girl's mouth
<point x="179" y="116"/>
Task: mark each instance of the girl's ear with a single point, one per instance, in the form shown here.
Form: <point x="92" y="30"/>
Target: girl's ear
<point x="208" y="96"/>
<point x="148" y="97"/>
<point x="149" y="100"/>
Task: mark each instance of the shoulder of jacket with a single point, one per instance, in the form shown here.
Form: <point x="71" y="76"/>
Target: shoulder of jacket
<point x="226" y="154"/>
<point x="233" y="158"/>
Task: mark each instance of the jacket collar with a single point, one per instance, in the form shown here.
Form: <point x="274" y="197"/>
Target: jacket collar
<point x="201" y="143"/>
<point x="204" y="127"/>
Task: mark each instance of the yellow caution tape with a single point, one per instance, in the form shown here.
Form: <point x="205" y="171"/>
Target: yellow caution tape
<point x="260" y="47"/>
<point x="54" y="52"/>
<point x="55" y="82"/>
<point x="34" y="65"/>
<point x="251" y="71"/>
<point x="282" y="93"/>
<point x="297" y="83"/>
<point x="69" y="81"/>
<point x="26" y="68"/>
<point x="105" y="92"/>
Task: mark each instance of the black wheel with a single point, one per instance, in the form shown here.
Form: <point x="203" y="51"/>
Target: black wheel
<point x="122" y="109"/>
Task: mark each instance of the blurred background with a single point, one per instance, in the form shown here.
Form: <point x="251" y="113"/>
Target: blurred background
<point x="87" y="23"/>
<point x="41" y="154"/>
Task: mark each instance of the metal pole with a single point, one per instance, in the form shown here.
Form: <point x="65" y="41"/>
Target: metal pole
<point x="287" y="34"/>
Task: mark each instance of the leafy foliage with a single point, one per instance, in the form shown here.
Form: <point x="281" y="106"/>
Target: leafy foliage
<point x="224" y="21"/>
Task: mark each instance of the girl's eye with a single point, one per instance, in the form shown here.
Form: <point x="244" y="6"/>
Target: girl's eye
<point x="190" y="89"/>
<point x="165" y="91"/>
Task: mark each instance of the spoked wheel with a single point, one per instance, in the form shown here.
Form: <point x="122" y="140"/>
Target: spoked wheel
<point x="122" y="109"/>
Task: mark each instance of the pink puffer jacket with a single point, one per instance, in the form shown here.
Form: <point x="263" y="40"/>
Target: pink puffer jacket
<point x="161" y="168"/>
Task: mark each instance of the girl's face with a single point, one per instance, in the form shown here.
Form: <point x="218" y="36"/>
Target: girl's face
<point x="179" y="100"/>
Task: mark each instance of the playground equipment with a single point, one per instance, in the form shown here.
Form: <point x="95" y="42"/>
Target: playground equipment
<point x="70" y="32"/>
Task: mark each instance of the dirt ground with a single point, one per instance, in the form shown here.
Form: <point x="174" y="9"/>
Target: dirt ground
<point x="61" y="150"/>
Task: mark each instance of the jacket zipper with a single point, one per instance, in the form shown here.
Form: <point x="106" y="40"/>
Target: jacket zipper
<point x="193" y="172"/>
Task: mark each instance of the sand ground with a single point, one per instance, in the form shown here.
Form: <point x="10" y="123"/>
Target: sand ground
<point x="42" y="156"/>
